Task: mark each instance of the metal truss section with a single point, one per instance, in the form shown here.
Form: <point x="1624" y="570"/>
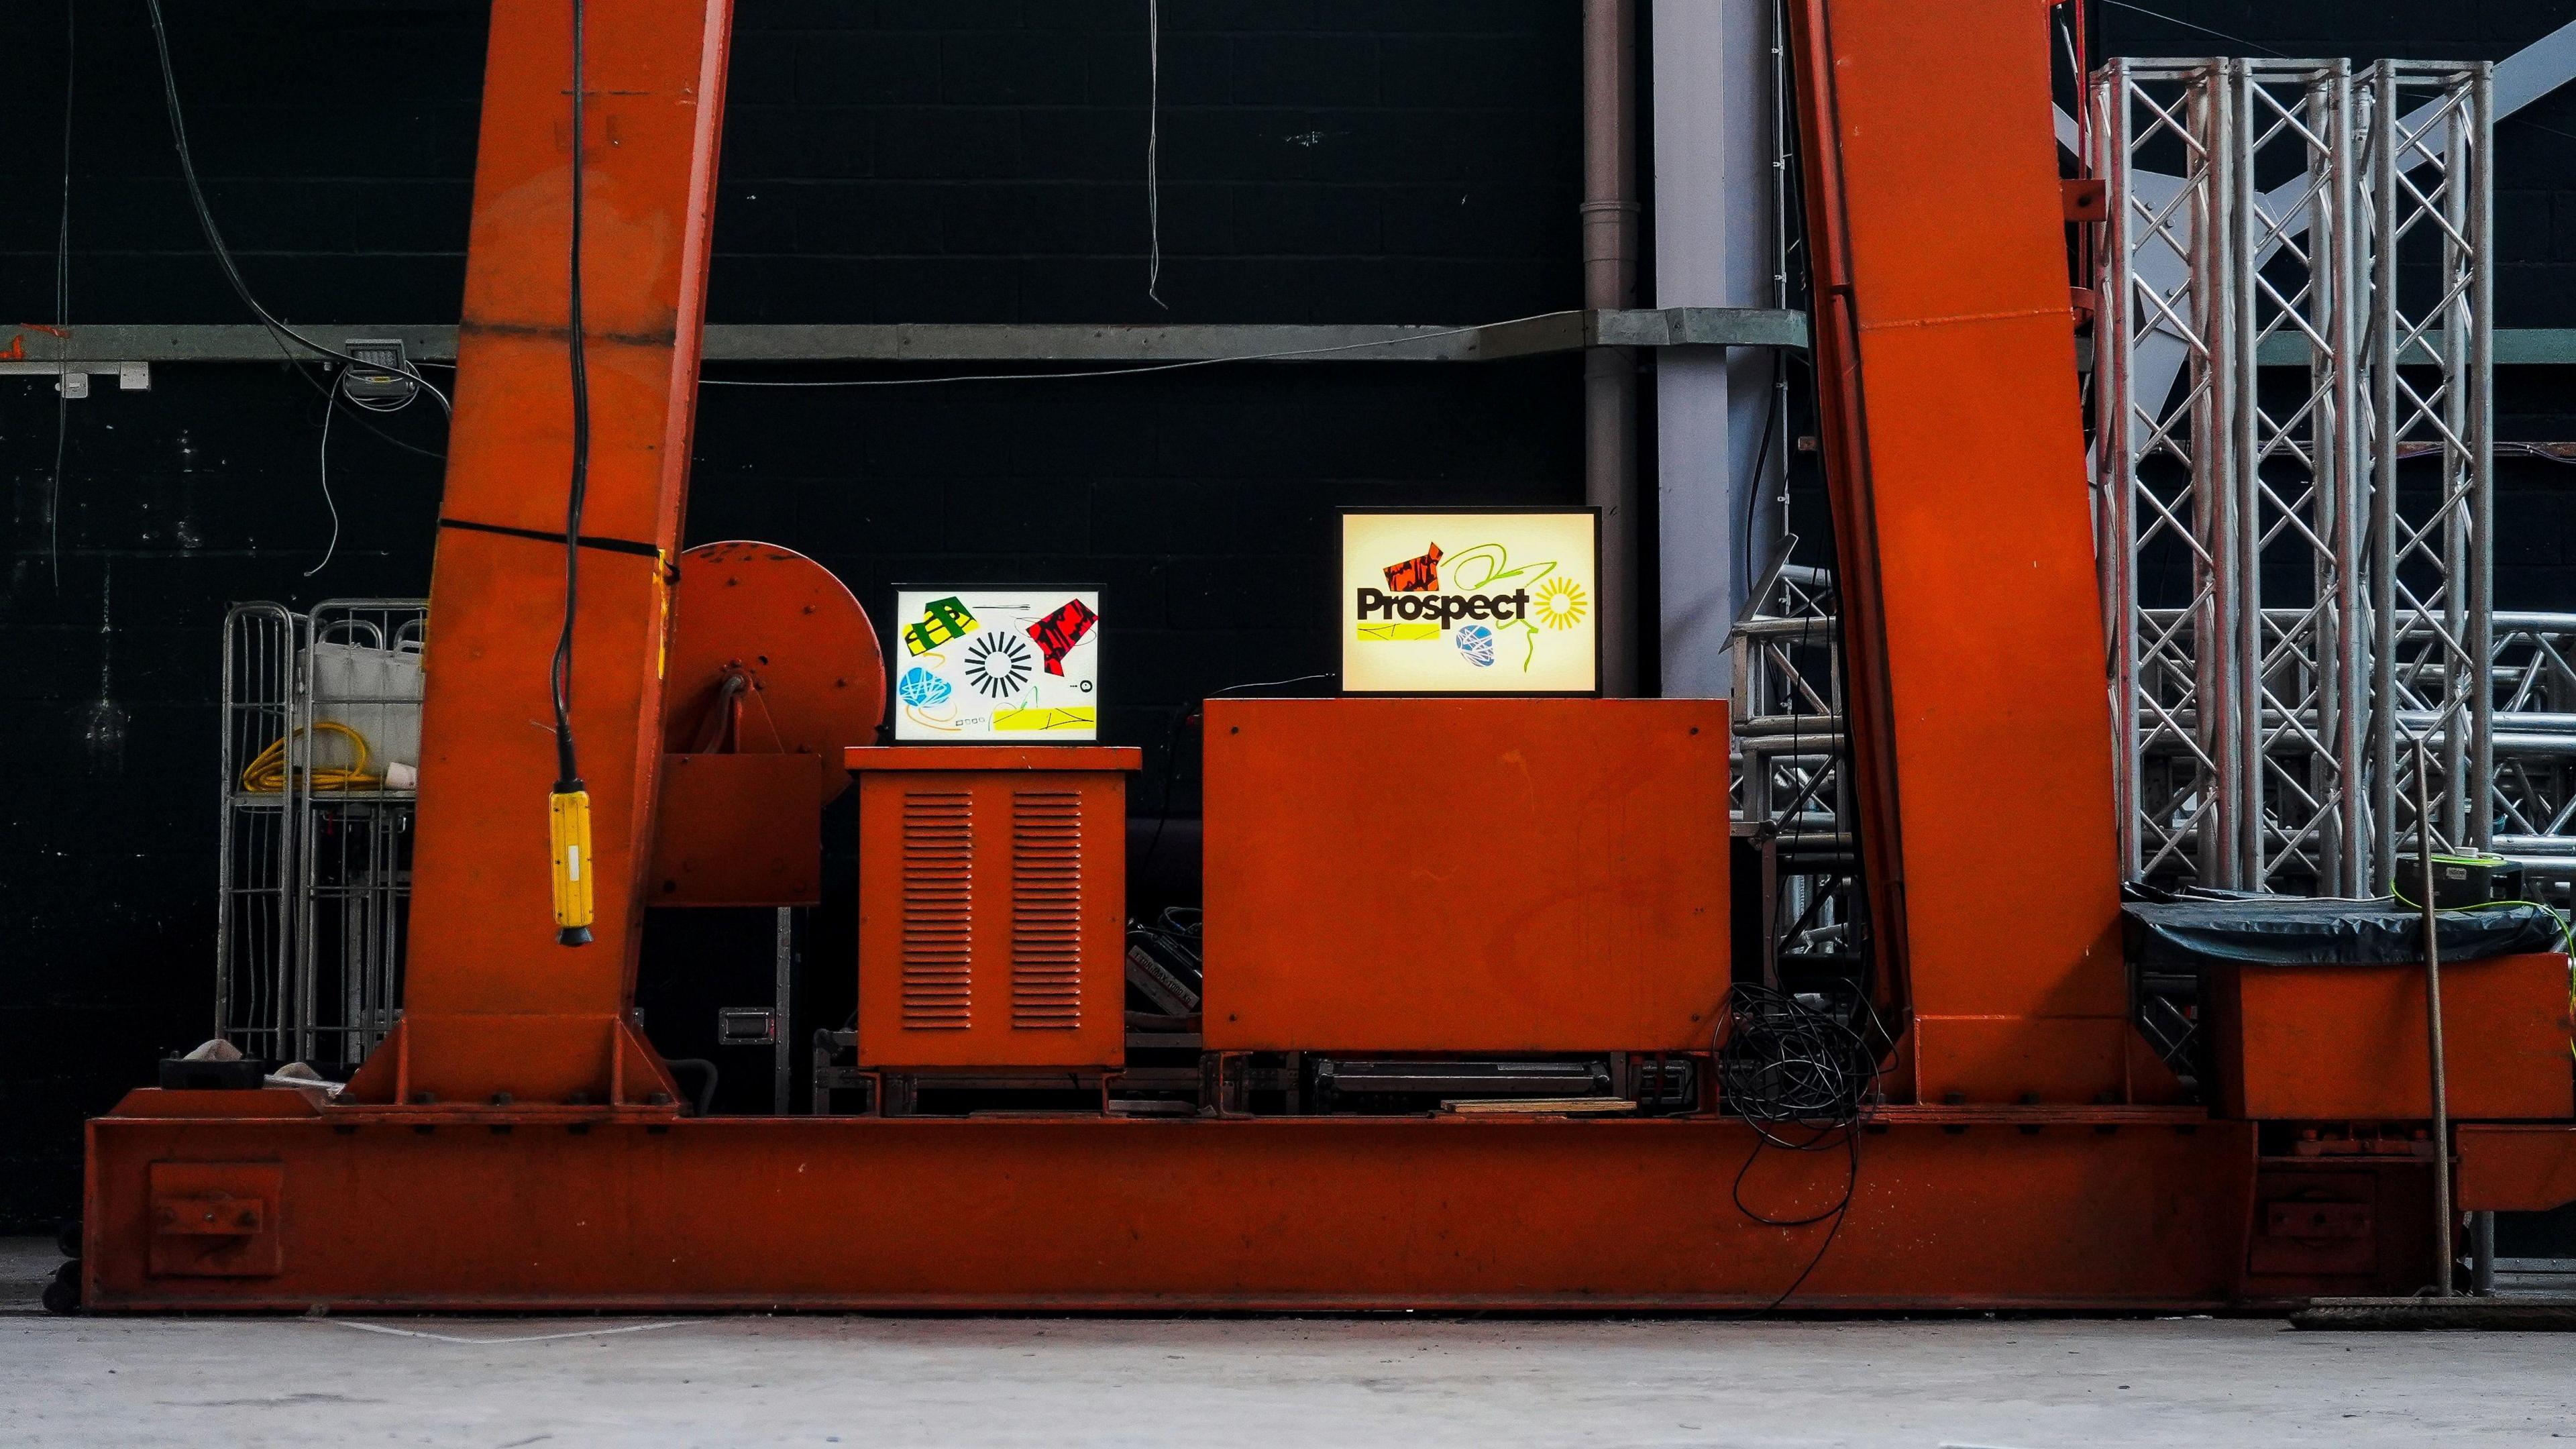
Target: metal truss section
<point x="2162" y="455"/>
<point x="1792" y="795"/>
<point x="1788" y="710"/>
<point x="2431" y="144"/>
<point x="2283" y="612"/>
<point x="2294" y="255"/>
<point x="2532" y="678"/>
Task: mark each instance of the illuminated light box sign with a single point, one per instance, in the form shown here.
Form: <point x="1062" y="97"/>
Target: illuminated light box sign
<point x="1014" y="665"/>
<point x="1496" y="601"/>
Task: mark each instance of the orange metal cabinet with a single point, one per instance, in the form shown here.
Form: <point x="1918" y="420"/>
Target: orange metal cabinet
<point x="992" y="905"/>
<point x="2346" y="1043"/>
<point x="1465" y="875"/>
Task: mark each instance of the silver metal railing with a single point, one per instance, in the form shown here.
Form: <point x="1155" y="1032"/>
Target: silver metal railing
<point x="1789" y="735"/>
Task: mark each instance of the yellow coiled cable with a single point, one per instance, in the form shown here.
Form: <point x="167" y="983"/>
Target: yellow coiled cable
<point x="267" y="774"/>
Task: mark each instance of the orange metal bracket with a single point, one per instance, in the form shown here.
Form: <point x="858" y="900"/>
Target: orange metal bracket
<point x="2516" y="1167"/>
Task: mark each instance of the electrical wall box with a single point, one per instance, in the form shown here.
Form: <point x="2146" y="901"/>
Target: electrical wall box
<point x="992" y="903"/>
<point x="386" y="375"/>
<point x="1465" y="875"/>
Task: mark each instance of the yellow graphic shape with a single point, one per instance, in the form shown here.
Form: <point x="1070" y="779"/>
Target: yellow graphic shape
<point x="1558" y="603"/>
<point x="1418" y="630"/>
<point x="1078" y="718"/>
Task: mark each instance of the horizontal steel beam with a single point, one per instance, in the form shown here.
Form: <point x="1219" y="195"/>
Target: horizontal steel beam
<point x="102" y="347"/>
<point x="2514" y="347"/>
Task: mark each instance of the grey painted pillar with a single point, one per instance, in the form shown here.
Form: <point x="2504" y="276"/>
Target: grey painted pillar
<point x="1610" y="480"/>
<point x="1713" y="248"/>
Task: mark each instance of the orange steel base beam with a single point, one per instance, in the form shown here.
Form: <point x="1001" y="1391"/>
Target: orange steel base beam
<point x="1980" y="716"/>
<point x="368" y="1211"/>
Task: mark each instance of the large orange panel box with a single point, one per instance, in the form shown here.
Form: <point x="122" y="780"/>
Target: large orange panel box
<point x="1465" y="875"/>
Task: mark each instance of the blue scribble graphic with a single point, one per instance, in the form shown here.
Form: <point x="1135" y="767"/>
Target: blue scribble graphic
<point x="1476" y="641"/>
<point x="921" y="689"/>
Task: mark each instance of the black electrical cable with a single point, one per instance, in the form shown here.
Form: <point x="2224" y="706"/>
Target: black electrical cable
<point x="1783" y="1063"/>
<point x="1840" y="1212"/>
<point x="214" y="237"/>
<point x="1762" y="458"/>
<point x="567" y="760"/>
<point x="388" y="437"/>
<point x="706" y="1098"/>
<point x="1801" y="1077"/>
<point x="62" y="304"/>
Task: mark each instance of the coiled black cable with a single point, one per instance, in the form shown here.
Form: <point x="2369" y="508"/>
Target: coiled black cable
<point x="1801" y="1077"/>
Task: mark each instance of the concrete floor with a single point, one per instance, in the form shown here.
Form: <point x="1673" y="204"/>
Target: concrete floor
<point x="501" y="1383"/>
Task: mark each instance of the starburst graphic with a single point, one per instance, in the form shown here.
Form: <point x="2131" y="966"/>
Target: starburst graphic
<point x="998" y="665"/>
<point x="1558" y="603"/>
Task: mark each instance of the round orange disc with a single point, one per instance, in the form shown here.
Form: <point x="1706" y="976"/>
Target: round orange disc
<point x="814" y="679"/>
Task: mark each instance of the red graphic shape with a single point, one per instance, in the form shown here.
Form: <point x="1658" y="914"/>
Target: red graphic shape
<point x="1058" y="632"/>
<point x="1415" y="575"/>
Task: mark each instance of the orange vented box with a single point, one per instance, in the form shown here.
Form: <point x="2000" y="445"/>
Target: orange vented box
<point x="992" y="905"/>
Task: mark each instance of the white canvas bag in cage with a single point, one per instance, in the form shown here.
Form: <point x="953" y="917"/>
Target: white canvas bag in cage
<point x="374" y="690"/>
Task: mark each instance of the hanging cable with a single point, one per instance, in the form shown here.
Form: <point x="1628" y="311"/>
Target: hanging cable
<point x="62" y="306"/>
<point x="568" y="806"/>
<point x="1172" y="745"/>
<point x="1801" y="1077"/>
<point x="330" y="405"/>
<point x="1153" y="151"/>
<point x="214" y="238"/>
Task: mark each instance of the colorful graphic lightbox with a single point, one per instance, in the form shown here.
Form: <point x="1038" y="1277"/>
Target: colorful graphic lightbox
<point x="1466" y="602"/>
<point x="1018" y="666"/>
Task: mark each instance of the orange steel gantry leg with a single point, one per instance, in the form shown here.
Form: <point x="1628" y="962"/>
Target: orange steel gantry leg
<point x="1979" y="710"/>
<point x="491" y="1003"/>
<point x="1952" y="419"/>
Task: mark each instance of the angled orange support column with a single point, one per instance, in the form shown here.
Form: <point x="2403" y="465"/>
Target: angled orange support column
<point x="1980" y="718"/>
<point x="493" y="1004"/>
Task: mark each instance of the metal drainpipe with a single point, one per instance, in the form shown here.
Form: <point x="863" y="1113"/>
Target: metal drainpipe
<point x="1609" y="282"/>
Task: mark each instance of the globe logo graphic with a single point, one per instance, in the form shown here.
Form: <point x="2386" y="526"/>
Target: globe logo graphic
<point x="1476" y="641"/>
<point x="920" y="688"/>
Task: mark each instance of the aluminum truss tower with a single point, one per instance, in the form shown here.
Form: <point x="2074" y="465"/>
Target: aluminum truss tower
<point x="2294" y="296"/>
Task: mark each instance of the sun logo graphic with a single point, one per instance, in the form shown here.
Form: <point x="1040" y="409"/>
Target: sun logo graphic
<point x="1558" y="603"/>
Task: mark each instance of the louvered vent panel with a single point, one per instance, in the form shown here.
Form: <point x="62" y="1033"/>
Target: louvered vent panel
<point x="1046" y="910"/>
<point x="938" y="910"/>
